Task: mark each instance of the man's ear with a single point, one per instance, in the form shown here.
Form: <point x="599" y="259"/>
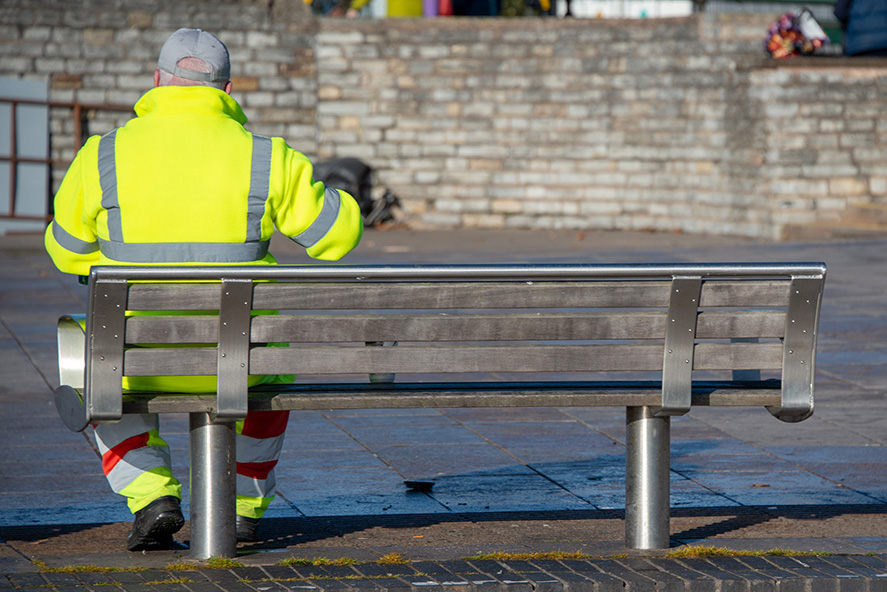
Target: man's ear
<point x="156" y="78"/>
<point x="228" y="87"/>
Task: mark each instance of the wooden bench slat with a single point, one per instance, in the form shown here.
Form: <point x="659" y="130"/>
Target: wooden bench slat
<point x="751" y="293"/>
<point x="451" y="359"/>
<point x="460" y="359"/>
<point x="465" y="295"/>
<point x="719" y="324"/>
<point x="333" y="296"/>
<point x="463" y="327"/>
<point x="510" y="327"/>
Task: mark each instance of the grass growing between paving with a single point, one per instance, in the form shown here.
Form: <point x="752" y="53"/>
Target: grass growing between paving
<point x="219" y="563"/>
<point x="389" y="559"/>
<point x="316" y="561"/>
<point x="222" y="563"/>
<point x="497" y="556"/>
<point x="182" y="580"/>
<point x="392" y="559"/>
<point x="690" y="552"/>
<point x="41" y="565"/>
<point x="703" y="551"/>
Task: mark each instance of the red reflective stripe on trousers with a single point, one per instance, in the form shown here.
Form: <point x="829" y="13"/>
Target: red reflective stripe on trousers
<point x="256" y="470"/>
<point x="116" y="454"/>
<point x="265" y="424"/>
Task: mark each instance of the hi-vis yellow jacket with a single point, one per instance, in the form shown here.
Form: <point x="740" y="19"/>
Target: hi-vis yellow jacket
<point x="185" y="182"/>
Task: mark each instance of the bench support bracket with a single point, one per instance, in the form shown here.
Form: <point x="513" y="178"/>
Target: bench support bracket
<point x="213" y="501"/>
<point x="680" y="337"/>
<point x="647" y="469"/>
<point x="105" y="339"/>
<point x="234" y="326"/>
<point x="801" y="320"/>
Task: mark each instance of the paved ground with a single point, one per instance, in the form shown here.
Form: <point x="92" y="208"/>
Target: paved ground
<point x="529" y="480"/>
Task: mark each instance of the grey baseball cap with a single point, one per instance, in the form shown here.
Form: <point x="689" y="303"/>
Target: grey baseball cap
<point x="194" y="43"/>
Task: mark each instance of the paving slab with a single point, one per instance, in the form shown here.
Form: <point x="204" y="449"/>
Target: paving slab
<point x="507" y="481"/>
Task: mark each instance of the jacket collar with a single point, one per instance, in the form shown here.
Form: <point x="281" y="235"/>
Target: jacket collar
<point x="198" y="100"/>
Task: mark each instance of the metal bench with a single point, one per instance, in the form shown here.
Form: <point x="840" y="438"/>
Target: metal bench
<point x="656" y="339"/>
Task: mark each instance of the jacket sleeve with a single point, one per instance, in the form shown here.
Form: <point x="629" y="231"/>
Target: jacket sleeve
<point x="326" y="221"/>
<point x="70" y="238"/>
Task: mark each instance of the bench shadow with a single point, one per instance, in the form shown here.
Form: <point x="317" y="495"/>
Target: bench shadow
<point x="746" y="516"/>
<point x="37" y="533"/>
<point x="280" y="533"/>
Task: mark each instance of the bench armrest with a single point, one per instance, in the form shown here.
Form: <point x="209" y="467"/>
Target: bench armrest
<point x="72" y="350"/>
<point x="72" y="363"/>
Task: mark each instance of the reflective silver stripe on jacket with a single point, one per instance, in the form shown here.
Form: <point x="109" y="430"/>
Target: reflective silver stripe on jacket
<point x="108" y="182"/>
<point x="184" y="252"/>
<point x="259" y="186"/>
<point x="117" y="249"/>
<point x="70" y="242"/>
<point x="323" y="222"/>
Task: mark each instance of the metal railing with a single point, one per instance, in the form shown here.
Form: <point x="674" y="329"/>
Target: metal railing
<point x="79" y="111"/>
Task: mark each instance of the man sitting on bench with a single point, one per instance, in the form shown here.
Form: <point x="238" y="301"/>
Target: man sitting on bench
<point x="185" y="183"/>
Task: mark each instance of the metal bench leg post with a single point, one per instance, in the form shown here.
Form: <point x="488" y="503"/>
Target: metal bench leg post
<point x="213" y="501"/>
<point x="647" y="468"/>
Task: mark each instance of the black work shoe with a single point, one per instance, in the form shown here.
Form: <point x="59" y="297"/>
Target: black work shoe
<point x="155" y="524"/>
<point x="246" y="529"/>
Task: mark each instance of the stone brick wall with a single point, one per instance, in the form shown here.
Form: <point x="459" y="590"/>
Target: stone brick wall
<point x="104" y="52"/>
<point x="670" y="125"/>
<point x="825" y="138"/>
<point x="664" y="124"/>
<point x="548" y="123"/>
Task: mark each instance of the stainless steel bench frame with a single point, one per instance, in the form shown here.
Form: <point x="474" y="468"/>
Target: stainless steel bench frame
<point x="91" y="370"/>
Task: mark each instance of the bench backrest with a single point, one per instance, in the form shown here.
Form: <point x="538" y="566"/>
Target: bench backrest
<point x="544" y="324"/>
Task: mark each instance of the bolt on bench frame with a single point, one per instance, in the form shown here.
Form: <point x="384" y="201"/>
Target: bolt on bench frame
<point x="545" y="320"/>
